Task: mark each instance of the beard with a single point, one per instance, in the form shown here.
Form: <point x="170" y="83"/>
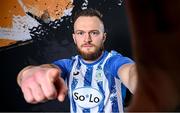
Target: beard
<point x="91" y="56"/>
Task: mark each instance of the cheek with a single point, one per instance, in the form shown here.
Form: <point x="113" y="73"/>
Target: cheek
<point x="78" y="43"/>
<point x="99" y="42"/>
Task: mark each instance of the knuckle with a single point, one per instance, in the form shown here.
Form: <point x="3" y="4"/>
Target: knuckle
<point x="51" y="95"/>
<point x="38" y="75"/>
<point x="38" y="95"/>
<point x="29" y="100"/>
<point x="54" y="71"/>
<point x="40" y="98"/>
<point x="27" y="83"/>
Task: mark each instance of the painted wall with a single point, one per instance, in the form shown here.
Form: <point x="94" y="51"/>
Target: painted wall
<point x="18" y="16"/>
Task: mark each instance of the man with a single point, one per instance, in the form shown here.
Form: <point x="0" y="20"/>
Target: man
<point x="96" y="79"/>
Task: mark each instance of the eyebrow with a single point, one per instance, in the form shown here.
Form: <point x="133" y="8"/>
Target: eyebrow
<point x="85" y="31"/>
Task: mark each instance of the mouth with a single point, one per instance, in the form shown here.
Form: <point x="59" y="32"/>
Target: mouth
<point x="87" y="45"/>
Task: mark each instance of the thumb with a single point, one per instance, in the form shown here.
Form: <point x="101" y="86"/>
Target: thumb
<point x="61" y="88"/>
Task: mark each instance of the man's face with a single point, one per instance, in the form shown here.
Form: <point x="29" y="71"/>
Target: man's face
<point x="89" y="37"/>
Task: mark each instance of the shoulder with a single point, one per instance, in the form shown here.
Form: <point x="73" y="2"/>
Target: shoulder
<point x="66" y="64"/>
<point x="115" y="61"/>
<point x="118" y="58"/>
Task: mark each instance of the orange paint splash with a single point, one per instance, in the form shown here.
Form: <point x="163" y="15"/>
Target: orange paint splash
<point x="55" y="8"/>
<point x="10" y="8"/>
<point x="41" y="8"/>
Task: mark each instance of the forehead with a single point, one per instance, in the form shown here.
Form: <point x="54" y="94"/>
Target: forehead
<point x="88" y="23"/>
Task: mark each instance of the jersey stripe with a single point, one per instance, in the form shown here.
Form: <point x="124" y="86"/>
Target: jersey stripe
<point x="73" y="86"/>
<point x="88" y="76"/>
<point x="87" y="82"/>
<point x="101" y="105"/>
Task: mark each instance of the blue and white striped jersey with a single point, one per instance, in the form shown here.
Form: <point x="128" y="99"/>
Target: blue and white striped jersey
<point x="95" y="87"/>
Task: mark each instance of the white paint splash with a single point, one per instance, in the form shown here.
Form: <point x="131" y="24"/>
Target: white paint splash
<point x="68" y="12"/>
<point x="120" y="2"/>
<point x="20" y="28"/>
<point x="22" y="24"/>
<point x="85" y="4"/>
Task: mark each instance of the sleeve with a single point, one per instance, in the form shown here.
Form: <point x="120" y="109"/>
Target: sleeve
<point x="115" y="62"/>
<point x="65" y="65"/>
<point x="111" y="68"/>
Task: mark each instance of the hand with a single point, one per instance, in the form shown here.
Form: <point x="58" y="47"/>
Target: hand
<point x="42" y="83"/>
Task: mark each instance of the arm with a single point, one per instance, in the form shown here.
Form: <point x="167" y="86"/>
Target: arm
<point x="128" y="75"/>
<point x="40" y="83"/>
<point x="20" y="75"/>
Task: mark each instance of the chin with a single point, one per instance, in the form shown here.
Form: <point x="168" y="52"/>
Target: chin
<point x="89" y="51"/>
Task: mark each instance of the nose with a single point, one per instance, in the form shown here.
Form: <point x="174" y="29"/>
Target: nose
<point x="87" y="38"/>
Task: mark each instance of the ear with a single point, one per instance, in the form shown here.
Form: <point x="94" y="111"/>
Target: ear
<point x="73" y="35"/>
<point x="104" y="37"/>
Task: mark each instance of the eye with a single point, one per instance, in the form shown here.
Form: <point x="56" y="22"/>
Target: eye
<point x="79" y="33"/>
<point x="94" y="33"/>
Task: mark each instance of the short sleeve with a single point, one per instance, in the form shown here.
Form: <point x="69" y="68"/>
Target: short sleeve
<point x="115" y="62"/>
<point x="65" y="65"/>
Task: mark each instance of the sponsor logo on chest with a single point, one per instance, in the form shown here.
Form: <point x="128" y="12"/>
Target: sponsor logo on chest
<point x="87" y="97"/>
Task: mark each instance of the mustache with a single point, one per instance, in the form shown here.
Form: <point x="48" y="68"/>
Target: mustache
<point x="87" y="44"/>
